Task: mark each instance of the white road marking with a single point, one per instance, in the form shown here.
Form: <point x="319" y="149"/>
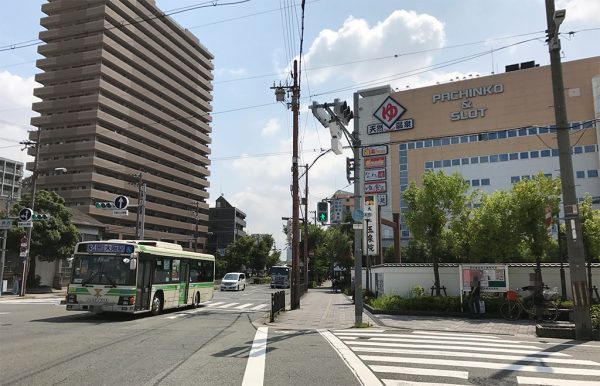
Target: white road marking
<point x="458" y="343"/>
<point x="554" y="382"/>
<point x="411" y="336"/>
<point x="421" y="371"/>
<point x="453" y="334"/>
<point x="456" y="348"/>
<point x="360" y="370"/>
<point x="259" y="307"/>
<point x="479" y="355"/>
<point x="244" y="306"/>
<point x="396" y="382"/>
<point x="227" y="305"/>
<point x="255" y="367"/>
<point x="214" y="304"/>
<point x="482" y="365"/>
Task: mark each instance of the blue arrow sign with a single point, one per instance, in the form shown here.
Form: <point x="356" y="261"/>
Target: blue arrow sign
<point x="121" y="202"/>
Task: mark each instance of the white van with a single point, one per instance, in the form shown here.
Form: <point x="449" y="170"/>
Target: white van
<point x="233" y="281"/>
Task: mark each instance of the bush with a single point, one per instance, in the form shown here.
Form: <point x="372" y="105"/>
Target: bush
<point x="418" y="291"/>
<point x="422" y="303"/>
<point x="595" y="312"/>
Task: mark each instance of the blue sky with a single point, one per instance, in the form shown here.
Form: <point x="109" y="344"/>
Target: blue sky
<point x="348" y="45"/>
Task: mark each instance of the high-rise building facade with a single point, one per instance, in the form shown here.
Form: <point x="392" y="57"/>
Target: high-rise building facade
<point x="125" y="103"/>
<point x="226" y="224"/>
<point x="494" y="130"/>
<point x="11" y="174"/>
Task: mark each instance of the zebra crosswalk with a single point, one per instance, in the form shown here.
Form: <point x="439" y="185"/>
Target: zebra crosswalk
<point x="432" y="358"/>
<point x="221" y="306"/>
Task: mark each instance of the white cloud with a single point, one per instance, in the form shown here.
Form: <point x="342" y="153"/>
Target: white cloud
<point x="231" y="72"/>
<point x="580" y="10"/>
<point x="271" y="127"/>
<point x="400" y="33"/>
<point x="16" y="98"/>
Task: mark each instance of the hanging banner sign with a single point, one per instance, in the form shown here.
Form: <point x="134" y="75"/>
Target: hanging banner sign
<point x="374" y="174"/>
<point x="375" y="162"/>
<point x="374" y="150"/>
<point x="376" y="187"/>
<point x="370" y="239"/>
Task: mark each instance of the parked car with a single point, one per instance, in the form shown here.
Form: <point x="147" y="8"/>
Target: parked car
<point x="233" y="281"/>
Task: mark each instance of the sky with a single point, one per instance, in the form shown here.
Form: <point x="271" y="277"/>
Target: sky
<point x="346" y="46"/>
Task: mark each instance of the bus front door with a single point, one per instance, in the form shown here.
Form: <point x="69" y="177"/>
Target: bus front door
<point x="144" y="285"/>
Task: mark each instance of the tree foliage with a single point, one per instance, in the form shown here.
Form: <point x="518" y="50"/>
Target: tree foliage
<point x="590" y="220"/>
<point x="52" y="239"/>
<point x="432" y="208"/>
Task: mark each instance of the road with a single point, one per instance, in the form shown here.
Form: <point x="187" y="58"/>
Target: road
<point x="223" y="343"/>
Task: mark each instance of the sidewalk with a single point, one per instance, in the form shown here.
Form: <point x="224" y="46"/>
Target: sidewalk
<point x="31" y="294"/>
<point x="320" y="308"/>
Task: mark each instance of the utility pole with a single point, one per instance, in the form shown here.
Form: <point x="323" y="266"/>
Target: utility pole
<point x="26" y="262"/>
<point x="141" y="206"/>
<point x="295" y="106"/>
<point x="306" y="258"/>
<point x="579" y="285"/>
<point x="336" y="123"/>
<point x="196" y="214"/>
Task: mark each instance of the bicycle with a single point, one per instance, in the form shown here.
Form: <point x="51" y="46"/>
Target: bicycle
<point x="513" y="306"/>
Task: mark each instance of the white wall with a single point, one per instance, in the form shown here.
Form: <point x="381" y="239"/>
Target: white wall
<point x="400" y="280"/>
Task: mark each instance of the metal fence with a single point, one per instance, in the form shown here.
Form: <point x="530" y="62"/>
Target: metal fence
<point x="277" y="303"/>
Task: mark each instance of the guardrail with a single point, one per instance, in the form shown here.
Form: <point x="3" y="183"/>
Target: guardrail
<point x="277" y="303"/>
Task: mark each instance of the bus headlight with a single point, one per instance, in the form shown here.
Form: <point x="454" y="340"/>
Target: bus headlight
<point x="72" y="298"/>
<point x="126" y="300"/>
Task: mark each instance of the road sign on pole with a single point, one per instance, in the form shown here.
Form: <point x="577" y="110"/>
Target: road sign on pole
<point x="121" y="202"/>
<point x="25" y="214"/>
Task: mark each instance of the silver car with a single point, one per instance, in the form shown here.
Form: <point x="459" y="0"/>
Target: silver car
<point x="233" y="281"/>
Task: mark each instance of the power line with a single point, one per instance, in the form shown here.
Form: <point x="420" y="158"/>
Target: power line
<point x="206" y="4"/>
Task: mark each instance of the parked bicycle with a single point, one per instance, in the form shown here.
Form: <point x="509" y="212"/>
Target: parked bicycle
<point x="513" y="307"/>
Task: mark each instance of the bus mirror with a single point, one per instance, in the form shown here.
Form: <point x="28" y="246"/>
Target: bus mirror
<point x="133" y="264"/>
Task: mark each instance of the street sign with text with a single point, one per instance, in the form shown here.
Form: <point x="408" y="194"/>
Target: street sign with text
<point x="5" y="223"/>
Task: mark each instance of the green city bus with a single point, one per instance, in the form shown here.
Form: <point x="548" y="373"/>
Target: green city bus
<point x="132" y="276"/>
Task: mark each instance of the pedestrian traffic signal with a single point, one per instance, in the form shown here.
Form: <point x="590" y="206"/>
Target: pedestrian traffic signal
<point x="323" y="211"/>
<point x="40" y="217"/>
<point x="105" y="205"/>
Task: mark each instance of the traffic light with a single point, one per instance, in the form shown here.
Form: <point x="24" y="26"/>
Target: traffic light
<point x="323" y="211"/>
<point x="342" y="111"/>
<point x="105" y="205"/>
<point x="40" y="217"/>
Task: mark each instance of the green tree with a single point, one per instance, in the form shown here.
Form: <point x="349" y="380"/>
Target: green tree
<point x="237" y="254"/>
<point x="494" y="237"/>
<point x="590" y="220"/>
<point x="431" y="208"/>
<point x="259" y="253"/>
<point x="336" y="248"/>
<point x="52" y="239"/>
<point x="529" y="201"/>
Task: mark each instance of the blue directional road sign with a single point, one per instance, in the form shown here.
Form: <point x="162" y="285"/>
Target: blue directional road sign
<point x="121" y="202"/>
<point x="25" y="214"/>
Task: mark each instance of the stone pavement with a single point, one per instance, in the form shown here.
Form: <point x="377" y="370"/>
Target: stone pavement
<point x="320" y="308"/>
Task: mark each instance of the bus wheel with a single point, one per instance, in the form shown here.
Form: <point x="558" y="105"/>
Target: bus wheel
<point x="157" y="305"/>
<point x="197" y="300"/>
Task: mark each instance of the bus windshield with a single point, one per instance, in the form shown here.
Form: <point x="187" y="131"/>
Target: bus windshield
<point x="276" y="271"/>
<point x="101" y="269"/>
